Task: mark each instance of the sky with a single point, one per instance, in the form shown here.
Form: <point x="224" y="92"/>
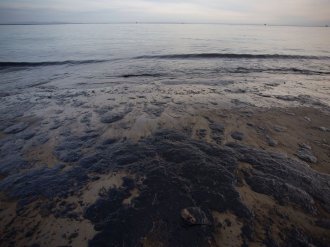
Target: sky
<point x="277" y="12"/>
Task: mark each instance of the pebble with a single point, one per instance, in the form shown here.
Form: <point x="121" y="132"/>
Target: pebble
<point x="195" y="216"/>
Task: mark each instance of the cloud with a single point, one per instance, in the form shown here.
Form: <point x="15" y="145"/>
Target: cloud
<point x="309" y="12"/>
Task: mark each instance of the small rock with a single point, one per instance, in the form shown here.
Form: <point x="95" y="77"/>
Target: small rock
<point x="196" y="216"/>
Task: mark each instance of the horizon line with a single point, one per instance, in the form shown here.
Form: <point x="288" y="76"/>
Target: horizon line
<point x="159" y="22"/>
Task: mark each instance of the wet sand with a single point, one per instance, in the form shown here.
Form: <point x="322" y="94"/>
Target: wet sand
<point x="165" y="165"/>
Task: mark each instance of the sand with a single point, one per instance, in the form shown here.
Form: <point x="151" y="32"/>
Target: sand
<point x="115" y="166"/>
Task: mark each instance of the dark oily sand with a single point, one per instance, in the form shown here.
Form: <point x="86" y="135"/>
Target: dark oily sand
<point x="287" y="180"/>
<point x="109" y="168"/>
<point x="180" y="183"/>
<point x="177" y="173"/>
<point x="193" y="178"/>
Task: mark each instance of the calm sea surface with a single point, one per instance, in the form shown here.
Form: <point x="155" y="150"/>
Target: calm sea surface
<point x="89" y="55"/>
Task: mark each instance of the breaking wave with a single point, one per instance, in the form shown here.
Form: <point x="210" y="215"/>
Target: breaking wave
<point x="52" y="63"/>
<point x="229" y="55"/>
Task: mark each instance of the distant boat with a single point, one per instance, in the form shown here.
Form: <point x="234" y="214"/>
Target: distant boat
<point x="326" y="26"/>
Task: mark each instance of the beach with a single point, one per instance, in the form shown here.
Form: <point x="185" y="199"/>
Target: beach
<point x="164" y="166"/>
<point x="164" y="135"/>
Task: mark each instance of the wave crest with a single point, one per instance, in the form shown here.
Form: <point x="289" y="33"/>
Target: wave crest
<point x="51" y="63"/>
<point x="229" y="55"/>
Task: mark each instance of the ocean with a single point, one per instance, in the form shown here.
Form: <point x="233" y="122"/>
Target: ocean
<point x="167" y="135"/>
<point x="97" y="55"/>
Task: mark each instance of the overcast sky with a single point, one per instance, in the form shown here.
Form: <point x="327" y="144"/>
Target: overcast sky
<point x="296" y="12"/>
